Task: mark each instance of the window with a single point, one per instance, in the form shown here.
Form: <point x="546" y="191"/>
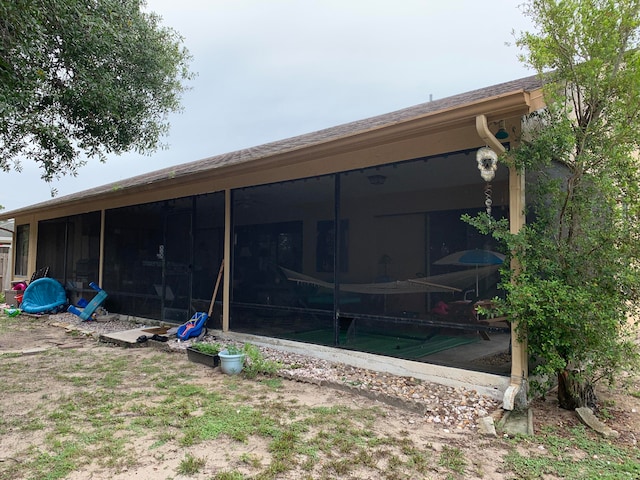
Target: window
<point x="22" y="250"/>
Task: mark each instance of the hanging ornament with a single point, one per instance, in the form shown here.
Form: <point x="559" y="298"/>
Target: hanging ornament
<point x="487" y="164"/>
<point x="487" y="198"/>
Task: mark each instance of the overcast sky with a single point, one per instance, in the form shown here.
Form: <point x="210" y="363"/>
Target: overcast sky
<point x="269" y="70"/>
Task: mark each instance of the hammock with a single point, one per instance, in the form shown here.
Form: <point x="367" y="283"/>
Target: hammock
<point x="446" y="282"/>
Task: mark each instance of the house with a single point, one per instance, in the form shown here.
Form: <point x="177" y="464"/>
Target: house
<point x="330" y="239"/>
<point x="6" y="240"/>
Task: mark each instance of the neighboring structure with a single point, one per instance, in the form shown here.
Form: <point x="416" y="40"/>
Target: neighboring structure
<point x="329" y="238"/>
<point x="6" y="241"/>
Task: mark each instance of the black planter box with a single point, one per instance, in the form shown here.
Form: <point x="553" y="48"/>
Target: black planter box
<point x="203" y="358"/>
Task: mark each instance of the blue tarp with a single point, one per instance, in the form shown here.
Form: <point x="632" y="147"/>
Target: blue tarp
<point x="44" y="295"/>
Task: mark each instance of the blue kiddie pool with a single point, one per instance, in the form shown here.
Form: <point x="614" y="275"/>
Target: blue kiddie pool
<point x="45" y="295"/>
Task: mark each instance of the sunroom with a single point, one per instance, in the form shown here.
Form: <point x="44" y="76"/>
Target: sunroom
<point x="349" y="238"/>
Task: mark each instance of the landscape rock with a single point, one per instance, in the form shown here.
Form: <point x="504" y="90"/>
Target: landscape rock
<point x="487" y="427"/>
<point x="587" y="417"/>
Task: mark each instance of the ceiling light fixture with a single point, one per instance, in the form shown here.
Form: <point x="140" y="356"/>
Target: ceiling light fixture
<point x="377" y="179"/>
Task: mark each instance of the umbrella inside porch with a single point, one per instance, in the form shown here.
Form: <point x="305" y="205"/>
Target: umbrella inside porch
<point x="472" y="258"/>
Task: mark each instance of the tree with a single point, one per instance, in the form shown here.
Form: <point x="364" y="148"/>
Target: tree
<point x="577" y="280"/>
<point x="83" y="79"/>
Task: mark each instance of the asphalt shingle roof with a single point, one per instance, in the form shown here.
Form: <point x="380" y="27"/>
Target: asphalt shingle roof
<point x="295" y="143"/>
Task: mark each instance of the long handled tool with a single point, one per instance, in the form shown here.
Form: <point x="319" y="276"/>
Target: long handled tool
<point x="215" y="290"/>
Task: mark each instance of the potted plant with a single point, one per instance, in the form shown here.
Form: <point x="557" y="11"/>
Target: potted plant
<point x="231" y="360"/>
<point x="205" y="353"/>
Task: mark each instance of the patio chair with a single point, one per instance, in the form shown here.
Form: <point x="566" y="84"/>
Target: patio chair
<point x="40" y="273"/>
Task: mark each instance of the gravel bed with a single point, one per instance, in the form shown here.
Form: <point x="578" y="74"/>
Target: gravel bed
<point x="451" y="408"/>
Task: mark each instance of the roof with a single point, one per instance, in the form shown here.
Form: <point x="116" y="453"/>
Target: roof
<point x="292" y="144"/>
<point x="6" y="232"/>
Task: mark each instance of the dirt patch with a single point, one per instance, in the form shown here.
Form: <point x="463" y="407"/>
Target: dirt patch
<point x="62" y="366"/>
<point x="26" y="336"/>
<point x="619" y="408"/>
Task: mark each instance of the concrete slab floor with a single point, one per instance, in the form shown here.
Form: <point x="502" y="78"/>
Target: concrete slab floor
<point x="473" y="351"/>
<point x="471" y="356"/>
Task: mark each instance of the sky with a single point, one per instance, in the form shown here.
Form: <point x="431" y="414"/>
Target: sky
<point x="269" y="70"/>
